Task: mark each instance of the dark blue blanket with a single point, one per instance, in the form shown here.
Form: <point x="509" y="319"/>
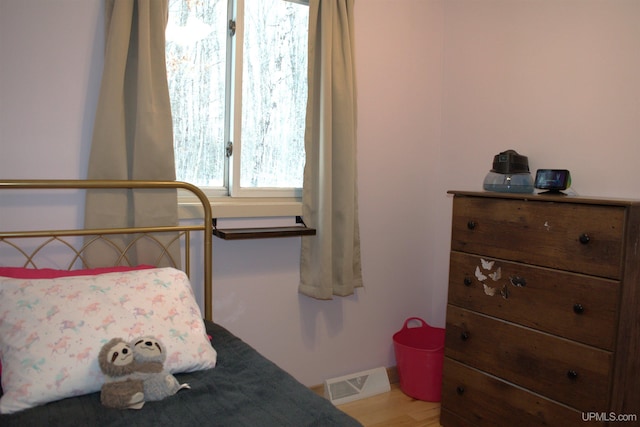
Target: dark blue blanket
<point x="245" y="389"/>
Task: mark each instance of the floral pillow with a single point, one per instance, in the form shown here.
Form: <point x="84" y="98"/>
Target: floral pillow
<point x="49" y="273"/>
<point x="51" y="330"/>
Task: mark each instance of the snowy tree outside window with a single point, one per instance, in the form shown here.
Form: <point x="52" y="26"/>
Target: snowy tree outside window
<point x="244" y="83"/>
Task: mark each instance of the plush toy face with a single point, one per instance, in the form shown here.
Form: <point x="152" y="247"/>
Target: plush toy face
<point x="148" y="349"/>
<point x="116" y="358"/>
<point x="120" y="354"/>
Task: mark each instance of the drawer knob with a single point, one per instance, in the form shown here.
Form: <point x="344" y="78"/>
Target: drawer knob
<point x="518" y="281"/>
<point x="464" y="336"/>
<point x="460" y="390"/>
<point x="584" y="238"/>
<point x="471" y="224"/>
<point x="467" y="281"/>
<point x="578" y="308"/>
<point x="571" y="374"/>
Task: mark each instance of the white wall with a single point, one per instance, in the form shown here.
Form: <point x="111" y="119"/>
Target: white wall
<point x="49" y="79"/>
<point x="443" y="86"/>
<point x="556" y="80"/>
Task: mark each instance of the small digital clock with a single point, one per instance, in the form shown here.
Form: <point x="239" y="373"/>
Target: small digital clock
<point x="553" y="180"/>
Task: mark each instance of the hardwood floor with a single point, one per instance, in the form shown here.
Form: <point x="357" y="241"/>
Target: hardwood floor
<point x="393" y="409"/>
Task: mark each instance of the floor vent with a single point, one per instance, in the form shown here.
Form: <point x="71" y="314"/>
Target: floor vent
<point x="356" y="386"/>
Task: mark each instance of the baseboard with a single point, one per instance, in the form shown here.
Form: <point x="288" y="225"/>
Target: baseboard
<point x="392" y="373"/>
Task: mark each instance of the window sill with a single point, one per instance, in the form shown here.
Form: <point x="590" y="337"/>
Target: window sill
<point x="247" y="207"/>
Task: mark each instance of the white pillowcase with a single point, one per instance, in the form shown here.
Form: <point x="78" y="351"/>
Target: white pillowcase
<point x="51" y="330"/>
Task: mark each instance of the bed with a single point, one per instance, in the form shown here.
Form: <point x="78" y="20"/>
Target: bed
<point x="231" y="384"/>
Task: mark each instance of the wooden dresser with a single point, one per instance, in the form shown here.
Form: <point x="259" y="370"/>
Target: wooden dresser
<point x="543" y="314"/>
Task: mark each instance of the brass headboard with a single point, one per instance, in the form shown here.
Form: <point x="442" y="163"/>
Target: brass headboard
<point x="15" y="239"/>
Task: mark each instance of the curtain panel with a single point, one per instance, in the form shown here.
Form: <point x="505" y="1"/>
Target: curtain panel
<point x="133" y="134"/>
<point x="330" y="261"/>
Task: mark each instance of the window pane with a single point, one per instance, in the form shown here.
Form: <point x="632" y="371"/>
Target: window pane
<point x="274" y="93"/>
<point x="196" y="60"/>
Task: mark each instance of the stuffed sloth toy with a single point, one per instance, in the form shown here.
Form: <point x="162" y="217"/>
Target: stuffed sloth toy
<point x="117" y="363"/>
<point x="158" y="383"/>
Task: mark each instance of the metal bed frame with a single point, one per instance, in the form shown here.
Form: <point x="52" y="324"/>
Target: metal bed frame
<point x="16" y="239"/>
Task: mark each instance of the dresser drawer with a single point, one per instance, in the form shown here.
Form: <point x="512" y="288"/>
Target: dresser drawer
<point x="575" y="306"/>
<point x="480" y="399"/>
<point x="563" y="370"/>
<point x="542" y="233"/>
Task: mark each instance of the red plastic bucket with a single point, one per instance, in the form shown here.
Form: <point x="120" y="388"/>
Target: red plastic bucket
<point x="419" y="355"/>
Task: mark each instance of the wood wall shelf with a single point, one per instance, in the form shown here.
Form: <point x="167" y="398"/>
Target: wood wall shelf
<point x="263" y="232"/>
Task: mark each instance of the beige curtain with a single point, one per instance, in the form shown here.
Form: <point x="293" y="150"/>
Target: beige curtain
<point x="330" y="261"/>
<point x="133" y="136"/>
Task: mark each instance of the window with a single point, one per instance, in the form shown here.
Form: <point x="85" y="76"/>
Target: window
<point x="237" y="74"/>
